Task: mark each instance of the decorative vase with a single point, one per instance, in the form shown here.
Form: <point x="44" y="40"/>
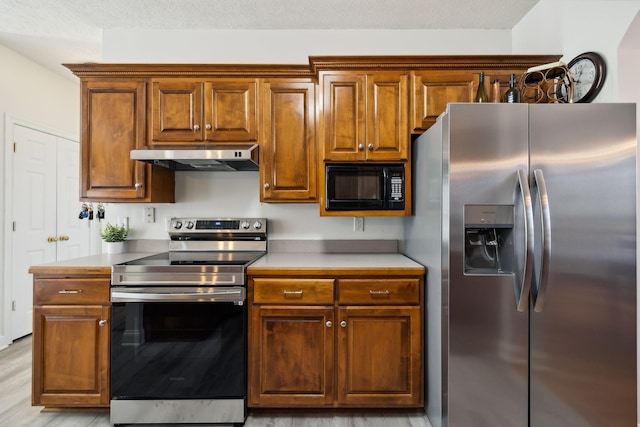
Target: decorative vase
<point x="114" y="247"/>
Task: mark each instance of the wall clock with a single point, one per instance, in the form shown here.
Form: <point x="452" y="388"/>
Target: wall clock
<point x="589" y="70"/>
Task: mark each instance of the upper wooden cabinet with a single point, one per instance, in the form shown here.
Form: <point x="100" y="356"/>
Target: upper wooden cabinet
<point x="186" y="111"/>
<point x="365" y="115"/>
<point x="113" y="124"/>
<point x="288" y="149"/>
<point x="432" y="90"/>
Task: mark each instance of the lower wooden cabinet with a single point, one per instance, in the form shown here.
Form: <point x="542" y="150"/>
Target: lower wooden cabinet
<point x="335" y="342"/>
<point x="71" y="318"/>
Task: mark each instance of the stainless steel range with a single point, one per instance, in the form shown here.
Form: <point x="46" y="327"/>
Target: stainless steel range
<point x="178" y="328"/>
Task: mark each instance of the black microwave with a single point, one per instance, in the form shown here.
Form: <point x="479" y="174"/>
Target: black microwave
<point x="364" y="186"/>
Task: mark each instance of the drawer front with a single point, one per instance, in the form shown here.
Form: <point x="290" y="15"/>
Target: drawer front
<point x="71" y="291"/>
<point x="379" y="291"/>
<point x="293" y="291"/>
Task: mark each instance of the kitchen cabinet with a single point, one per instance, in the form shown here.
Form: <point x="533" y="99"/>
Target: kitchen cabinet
<point x="432" y="90"/>
<point x="113" y="124"/>
<point x="188" y="111"/>
<point x="332" y="341"/>
<point x="71" y="318"/>
<point x="365" y="115"/>
<point x="288" y="147"/>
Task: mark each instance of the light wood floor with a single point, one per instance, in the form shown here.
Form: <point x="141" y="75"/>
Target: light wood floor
<point x="16" y="409"/>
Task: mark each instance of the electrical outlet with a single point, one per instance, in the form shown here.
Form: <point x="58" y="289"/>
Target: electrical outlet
<point x="149" y="215"/>
<point x="167" y="223"/>
<point x="358" y="223"/>
<point x="123" y="221"/>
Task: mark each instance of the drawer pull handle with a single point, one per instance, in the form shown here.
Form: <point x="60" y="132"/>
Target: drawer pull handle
<point x="293" y="293"/>
<point x="65" y="291"/>
<point x="379" y="293"/>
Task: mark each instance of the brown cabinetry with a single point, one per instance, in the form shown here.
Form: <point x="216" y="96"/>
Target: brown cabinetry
<point x="71" y="340"/>
<point x="113" y="124"/>
<point x="365" y="115"/>
<point x="288" y="148"/>
<point x="186" y="111"/>
<point x="335" y="342"/>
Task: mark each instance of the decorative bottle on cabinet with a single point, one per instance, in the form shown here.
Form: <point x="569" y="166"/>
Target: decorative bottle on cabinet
<point x="512" y="95"/>
<point x="481" y="93"/>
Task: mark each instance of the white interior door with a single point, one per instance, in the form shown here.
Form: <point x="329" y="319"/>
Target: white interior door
<point x="45" y="206"/>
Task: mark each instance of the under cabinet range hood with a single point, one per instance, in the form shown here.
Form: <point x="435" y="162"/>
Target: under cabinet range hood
<point x="212" y="157"/>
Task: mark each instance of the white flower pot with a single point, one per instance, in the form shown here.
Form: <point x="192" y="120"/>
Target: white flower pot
<point x="113" y="247"/>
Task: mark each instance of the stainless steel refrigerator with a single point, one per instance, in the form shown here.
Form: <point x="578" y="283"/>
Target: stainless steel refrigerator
<point x="525" y="217"/>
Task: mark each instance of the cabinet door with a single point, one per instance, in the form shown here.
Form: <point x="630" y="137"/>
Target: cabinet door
<point x="387" y="132"/>
<point x="176" y="111"/>
<point x="431" y="91"/>
<point x="71" y="355"/>
<point x="231" y="110"/>
<point x="113" y="125"/>
<point x="288" y="146"/>
<point x="344" y="116"/>
<point x="291" y="356"/>
<point x="379" y="357"/>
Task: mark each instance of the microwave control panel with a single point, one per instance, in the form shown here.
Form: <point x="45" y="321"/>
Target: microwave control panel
<point x="397" y="186"/>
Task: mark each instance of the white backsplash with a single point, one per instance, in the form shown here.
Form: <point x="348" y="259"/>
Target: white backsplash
<point x="236" y="194"/>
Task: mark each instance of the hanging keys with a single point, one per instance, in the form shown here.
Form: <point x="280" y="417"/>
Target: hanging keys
<point x="90" y="212"/>
<point x="100" y="213"/>
<point x="84" y="211"/>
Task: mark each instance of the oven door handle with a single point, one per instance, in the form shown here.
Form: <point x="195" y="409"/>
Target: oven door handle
<point x="236" y="295"/>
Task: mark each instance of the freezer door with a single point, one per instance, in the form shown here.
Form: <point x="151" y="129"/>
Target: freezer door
<point x="583" y="322"/>
<point x="486" y="146"/>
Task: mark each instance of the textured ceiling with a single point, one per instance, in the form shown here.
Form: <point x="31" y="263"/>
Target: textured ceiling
<point x="55" y="31"/>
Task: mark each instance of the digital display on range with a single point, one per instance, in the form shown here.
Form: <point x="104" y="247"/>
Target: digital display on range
<point x="217" y="225"/>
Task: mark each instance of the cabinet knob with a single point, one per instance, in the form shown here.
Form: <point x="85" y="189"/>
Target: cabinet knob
<point x="52" y="239"/>
<point x="370" y="146"/>
<point x="63" y="238"/>
<point x="196" y="127"/>
<point x="360" y="147"/>
<point x="102" y="322"/>
<point x="329" y="323"/>
<point x="137" y="185"/>
<point x="208" y="126"/>
<point x="343" y="323"/>
<point x="267" y="186"/>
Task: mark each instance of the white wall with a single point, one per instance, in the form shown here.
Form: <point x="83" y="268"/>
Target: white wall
<point x="33" y="94"/>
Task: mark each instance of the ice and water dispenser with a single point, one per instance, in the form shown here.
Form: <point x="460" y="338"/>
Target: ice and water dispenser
<point x="488" y="234"/>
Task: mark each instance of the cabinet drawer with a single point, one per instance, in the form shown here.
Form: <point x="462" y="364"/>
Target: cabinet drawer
<point x="373" y="291"/>
<point x="71" y="291"/>
<point x="293" y="291"/>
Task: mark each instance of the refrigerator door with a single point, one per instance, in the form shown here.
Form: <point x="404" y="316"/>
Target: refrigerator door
<point x="583" y="321"/>
<point x="483" y="234"/>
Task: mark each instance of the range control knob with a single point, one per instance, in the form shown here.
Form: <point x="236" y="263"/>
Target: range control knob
<point x="177" y="225"/>
<point x="190" y="225"/>
<point x="245" y="225"/>
<point x="257" y="225"/>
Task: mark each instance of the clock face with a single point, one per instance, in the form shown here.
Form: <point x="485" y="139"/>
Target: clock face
<point x="588" y="71"/>
<point x="584" y="78"/>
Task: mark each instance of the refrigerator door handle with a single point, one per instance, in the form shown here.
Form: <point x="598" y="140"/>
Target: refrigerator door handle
<point x="545" y="219"/>
<point x="522" y="294"/>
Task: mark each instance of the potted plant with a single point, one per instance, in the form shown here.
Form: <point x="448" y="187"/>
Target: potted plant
<point x="114" y="237"/>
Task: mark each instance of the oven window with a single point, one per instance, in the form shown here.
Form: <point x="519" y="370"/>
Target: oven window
<point x="177" y="350"/>
<point x="361" y="186"/>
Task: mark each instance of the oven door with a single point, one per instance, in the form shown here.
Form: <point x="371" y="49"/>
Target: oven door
<point x="178" y="344"/>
